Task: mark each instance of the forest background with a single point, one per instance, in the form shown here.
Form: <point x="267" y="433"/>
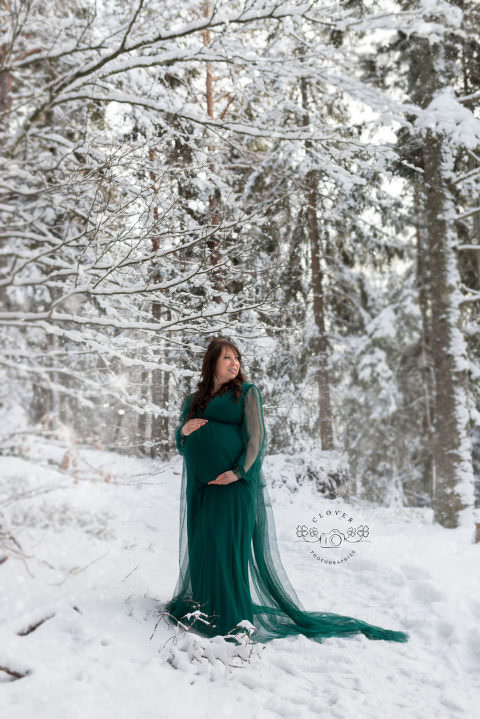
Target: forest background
<point x="301" y="177"/>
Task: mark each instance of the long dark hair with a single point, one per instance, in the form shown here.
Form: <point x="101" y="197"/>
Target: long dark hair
<point x="204" y="390"/>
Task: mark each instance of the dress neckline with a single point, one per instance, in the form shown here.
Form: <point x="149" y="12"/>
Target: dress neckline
<point x="216" y="395"/>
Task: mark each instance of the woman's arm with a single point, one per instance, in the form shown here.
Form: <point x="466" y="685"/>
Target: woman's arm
<point x="253" y="431"/>
<point x="179" y="437"/>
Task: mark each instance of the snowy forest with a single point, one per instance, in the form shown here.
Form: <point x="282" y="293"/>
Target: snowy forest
<point x="302" y="177"/>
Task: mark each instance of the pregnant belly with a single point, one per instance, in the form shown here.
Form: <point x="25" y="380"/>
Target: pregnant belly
<point x="212" y="449"/>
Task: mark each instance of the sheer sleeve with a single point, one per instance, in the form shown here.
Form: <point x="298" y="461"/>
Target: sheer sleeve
<point x="253" y="432"/>
<point x="179" y="437"/>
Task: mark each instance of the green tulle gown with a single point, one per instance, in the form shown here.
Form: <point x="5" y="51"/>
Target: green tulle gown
<point x="230" y="566"/>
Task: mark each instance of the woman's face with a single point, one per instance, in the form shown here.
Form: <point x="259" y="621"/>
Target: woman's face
<point x="227" y="366"/>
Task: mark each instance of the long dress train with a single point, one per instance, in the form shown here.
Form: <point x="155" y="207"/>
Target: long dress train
<point x="229" y="564"/>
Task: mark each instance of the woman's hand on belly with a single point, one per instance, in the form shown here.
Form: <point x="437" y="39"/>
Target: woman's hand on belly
<point x="193" y="424"/>
<point x="225" y="478"/>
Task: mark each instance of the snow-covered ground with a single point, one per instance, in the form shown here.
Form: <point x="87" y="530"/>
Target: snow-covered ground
<point x="100" y="532"/>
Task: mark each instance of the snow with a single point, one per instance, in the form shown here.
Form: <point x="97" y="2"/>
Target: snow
<point x="100" y="533"/>
<point x="445" y="114"/>
<point x="452" y="15"/>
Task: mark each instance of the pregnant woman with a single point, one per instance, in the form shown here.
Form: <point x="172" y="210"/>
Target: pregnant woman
<point x="230" y="567"/>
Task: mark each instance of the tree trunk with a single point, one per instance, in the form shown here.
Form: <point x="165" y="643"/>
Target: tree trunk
<point x="434" y="68"/>
<point x="453" y="485"/>
<point x="426" y="368"/>
<point x="159" y="426"/>
<point x="319" y="344"/>
<point x="213" y="242"/>
<point x="142" y="423"/>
